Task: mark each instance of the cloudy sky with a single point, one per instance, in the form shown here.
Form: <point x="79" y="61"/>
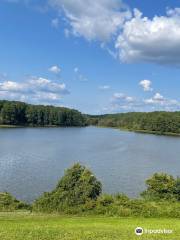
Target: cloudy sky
<point x="100" y="56"/>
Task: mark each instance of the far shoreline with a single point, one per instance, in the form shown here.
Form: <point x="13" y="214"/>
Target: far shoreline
<point x="122" y="129"/>
<point x="141" y="131"/>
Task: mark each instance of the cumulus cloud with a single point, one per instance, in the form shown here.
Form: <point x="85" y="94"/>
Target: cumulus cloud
<point x="161" y="101"/>
<point x="136" y="38"/>
<point x="93" y="20"/>
<point x="55" y="69"/>
<point x="146" y="85"/>
<point x="121" y="102"/>
<point x="122" y="97"/>
<point x="154" y="40"/>
<point x="35" y="89"/>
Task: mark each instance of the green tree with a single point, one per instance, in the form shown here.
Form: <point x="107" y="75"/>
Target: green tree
<point x="18" y="113"/>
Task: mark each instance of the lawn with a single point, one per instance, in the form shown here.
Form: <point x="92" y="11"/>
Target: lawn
<point x="25" y="226"/>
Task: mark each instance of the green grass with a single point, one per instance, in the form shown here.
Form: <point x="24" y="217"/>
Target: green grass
<point x="26" y="226"/>
<point x="8" y="126"/>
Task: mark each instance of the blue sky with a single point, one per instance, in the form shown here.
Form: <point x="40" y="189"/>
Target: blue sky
<point x="100" y="56"/>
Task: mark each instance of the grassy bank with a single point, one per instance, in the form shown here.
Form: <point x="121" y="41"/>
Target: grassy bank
<point x="23" y="226"/>
<point x="141" y="131"/>
<point x="9" y="126"/>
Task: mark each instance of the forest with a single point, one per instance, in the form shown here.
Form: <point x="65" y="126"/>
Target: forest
<point x="22" y="114"/>
<point x="155" y="122"/>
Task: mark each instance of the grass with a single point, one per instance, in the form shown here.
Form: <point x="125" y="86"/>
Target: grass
<point x="8" y="126"/>
<point x="26" y="226"/>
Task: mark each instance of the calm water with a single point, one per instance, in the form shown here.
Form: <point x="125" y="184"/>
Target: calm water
<point x="32" y="160"/>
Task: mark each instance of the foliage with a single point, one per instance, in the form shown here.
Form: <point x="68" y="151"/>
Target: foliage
<point x="162" y="186"/>
<point x="77" y="186"/>
<point x="22" y="114"/>
<point x="158" y="122"/>
<point x="9" y="203"/>
<point x="79" y="192"/>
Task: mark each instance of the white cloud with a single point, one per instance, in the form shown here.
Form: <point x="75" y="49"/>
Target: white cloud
<point x="146" y="84"/>
<point x="55" y="69"/>
<point x="154" y="40"/>
<point x="122" y="97"/>
<point x="104" y="87"/>
<point x="136" y="38"/>
<point x="35" y="89"/>
<point x="121" y="102"/>
<point x="100" y="19"/>
<point x="55" y="22"/>
<point x="160" y="101"/>
<point x="158" y="97"/>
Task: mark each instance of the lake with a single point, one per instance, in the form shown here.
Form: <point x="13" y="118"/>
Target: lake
<point x="33" y="159"/>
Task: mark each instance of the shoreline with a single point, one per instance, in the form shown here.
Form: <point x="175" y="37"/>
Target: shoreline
<point x="122" y="129"/>
<point x="170" y="134"/>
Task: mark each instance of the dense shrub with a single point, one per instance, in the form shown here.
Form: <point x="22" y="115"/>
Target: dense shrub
<point x="162" y="186"/>
<point x="75" y="188"/>
<point x="79" y="192"/>
<point x="9" y="203"/>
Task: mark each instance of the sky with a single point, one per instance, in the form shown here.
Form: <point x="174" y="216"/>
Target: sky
<point x="103" y="56"/>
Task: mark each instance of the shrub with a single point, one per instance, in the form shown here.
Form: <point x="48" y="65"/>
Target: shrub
<point x="160" y="186"/>
<point x="177" y="189"/>
<point x="9" y="203"/>
<point x="75" y="188"/>
<point x="105" y="200"/>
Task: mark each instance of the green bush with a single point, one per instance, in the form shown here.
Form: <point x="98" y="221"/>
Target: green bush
<point x="75" y="188"/>
<point x="162" y="186"/>
<point x="9" y="203"/>
<point x="79" y="192"/>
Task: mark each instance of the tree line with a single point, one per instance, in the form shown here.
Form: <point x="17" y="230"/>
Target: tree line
<point x="159" y="122"/>
<point x="22" y="114"/>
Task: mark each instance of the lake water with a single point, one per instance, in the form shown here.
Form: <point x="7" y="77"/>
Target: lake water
<point x="33" y="159"/>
